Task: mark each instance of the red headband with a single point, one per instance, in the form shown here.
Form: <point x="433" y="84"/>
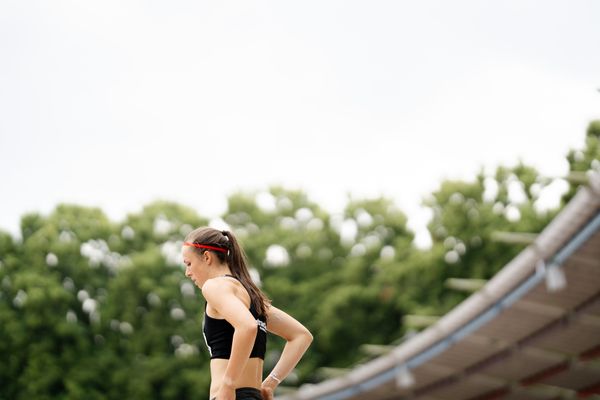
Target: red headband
<point x="205" y="246"/>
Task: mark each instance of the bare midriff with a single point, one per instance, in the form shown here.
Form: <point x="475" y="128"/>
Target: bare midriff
<point x="251" y="376"/>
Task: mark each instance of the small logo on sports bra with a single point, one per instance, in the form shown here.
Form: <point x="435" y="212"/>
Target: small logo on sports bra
<point x="261" y="325"/>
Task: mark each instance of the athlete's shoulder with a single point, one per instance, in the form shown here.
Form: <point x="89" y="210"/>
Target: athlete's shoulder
<point x="217" y="285"/>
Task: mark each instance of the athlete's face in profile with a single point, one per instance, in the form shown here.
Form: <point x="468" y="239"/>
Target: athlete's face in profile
<point x="195" y="266"/>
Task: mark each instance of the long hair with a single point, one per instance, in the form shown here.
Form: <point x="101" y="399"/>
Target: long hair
<point x="235" y="258"/>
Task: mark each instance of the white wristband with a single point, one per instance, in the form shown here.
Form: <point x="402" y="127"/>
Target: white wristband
<point x="275" y="378"/>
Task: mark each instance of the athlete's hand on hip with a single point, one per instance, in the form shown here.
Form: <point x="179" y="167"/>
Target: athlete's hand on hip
<point x="267" y="392"/>
<point x="226" y="393"/>
<point x="268" y="388"/>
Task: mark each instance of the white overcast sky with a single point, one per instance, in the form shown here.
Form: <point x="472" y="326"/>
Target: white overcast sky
<point x="116" y="103"/>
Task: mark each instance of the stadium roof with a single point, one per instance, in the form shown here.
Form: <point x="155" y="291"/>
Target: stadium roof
<point x="532" y="332"/>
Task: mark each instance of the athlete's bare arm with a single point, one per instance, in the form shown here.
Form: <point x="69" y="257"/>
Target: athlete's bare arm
<point x="297" y="337"/>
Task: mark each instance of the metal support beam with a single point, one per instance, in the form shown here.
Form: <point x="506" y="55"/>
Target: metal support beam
<point x="524" y="238"/>
<point x="465" y="285"/>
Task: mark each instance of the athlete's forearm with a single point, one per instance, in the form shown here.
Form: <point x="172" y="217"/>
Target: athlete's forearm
<point x="290" y="356"/>
<point x="243" y="340"/>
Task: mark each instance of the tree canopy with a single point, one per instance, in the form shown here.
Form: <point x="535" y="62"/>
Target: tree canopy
<point x="92" y="308"/>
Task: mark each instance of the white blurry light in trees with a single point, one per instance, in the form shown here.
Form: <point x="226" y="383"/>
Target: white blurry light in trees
<point x="177" y="314"/>
<point x="371" y="241"/>
<point x="82" y="295"/>
<point x="66" y="237"/>
<point x="498" y="208"/>
<point x="94" y="251"/>
<point x="303" y="251"/>
<point x="219" y="224"/>
<point x="94" y="317"/>
<point x="512" y="213"/>
<point x="266" y="202"/>
<point x="358" y="250"/>
<point x="187" y="289"/>
<point x="471" y="203"/>
<point x="457" y="198"/>
<point x="89" y="305"/>
<point x="303" y="214"/>
<point x="421" y="217"/>
<point x="153" y="299"/>
<point x="387" y="253"/>
<point x="363" y="218"/>
<point x="51" y="260"/>
<point x="315" y="224"/>
<point x="20" y="299"/>
<point x="490" y="190"/>
<point x="162" y="226"/>
<point x="451" y="257"/>
<point x="473" y="214"/>
<point x="460" y="248"/>
<point x="288" y="223"/>
<point x="348" y="232"/>
<point x="171" y="251"/>
<point x="393" y="209"/>
<point x="114" y="324"/>
<point x="241" y="232"/>
<point x="549" y="197"/>
<point x="450" y="242"/>
<point x="126" y="328"/>
<point x="71" y="317"/>
<point x="127" y="232"/>
<point x="336" y="221"/>
<point x="185" y="229"/>
<point x="255" y="276"/>
<point x="440" y="231"/>
<point x="176" y="341"/>
<point x="516" y="192"/>
<point x="186" y="350"/>
<point x="284" y="204"/>
<point x="277" y="256"/>
<point x="68" y="284"/>
<point x="325" y="254"/>
<point x="252" y="228"/>
<point x="97" y="252"/>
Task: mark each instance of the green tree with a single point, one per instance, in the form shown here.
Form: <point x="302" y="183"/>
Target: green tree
<point x="95" y="309"/>
<point x="581" y="161"/>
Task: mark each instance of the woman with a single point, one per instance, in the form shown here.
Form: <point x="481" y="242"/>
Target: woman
<point x="237" y="318"/>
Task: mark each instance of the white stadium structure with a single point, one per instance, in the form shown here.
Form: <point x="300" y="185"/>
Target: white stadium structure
<point x="532" y="332"/>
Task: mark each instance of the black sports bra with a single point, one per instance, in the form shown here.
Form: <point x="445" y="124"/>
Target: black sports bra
<point x="218" y="335"/>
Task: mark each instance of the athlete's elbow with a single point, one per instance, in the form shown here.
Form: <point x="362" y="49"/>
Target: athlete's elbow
<point x="305" y="336"/>
<point x="309" y="336"/>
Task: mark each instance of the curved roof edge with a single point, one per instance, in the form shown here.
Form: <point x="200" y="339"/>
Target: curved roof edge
<point x="564" y="234"/>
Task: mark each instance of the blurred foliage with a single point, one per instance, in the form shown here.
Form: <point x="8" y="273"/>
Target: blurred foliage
<point x="586" y="159"/>
<point x="94" y="309"/>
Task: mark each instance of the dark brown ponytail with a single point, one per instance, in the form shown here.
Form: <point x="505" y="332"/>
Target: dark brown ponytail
<point x="235" y="258"/>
